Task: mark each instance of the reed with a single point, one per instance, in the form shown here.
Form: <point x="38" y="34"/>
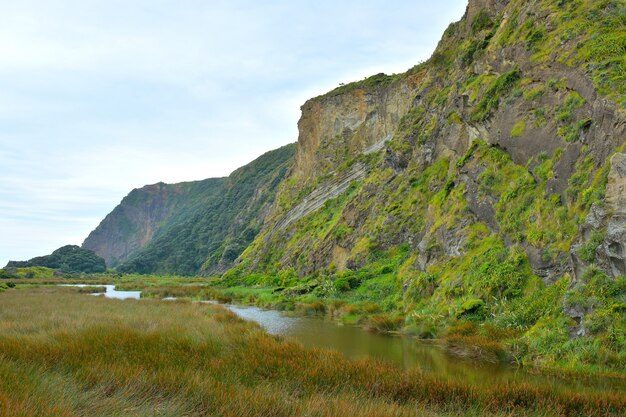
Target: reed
<point x="67" y="354"/>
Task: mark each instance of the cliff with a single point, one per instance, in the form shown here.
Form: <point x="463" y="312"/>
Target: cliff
<point x="193" y="227"/>
<point x="490" y="175"/>
<point x="481" y="192"/>
<point x="144" y="214"/>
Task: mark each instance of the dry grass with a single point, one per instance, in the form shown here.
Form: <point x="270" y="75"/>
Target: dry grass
<point x="67" y="354"/>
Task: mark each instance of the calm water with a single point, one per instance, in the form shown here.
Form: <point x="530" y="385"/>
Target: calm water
<point x="111" y="292"/>
<point x="405" y="352"/>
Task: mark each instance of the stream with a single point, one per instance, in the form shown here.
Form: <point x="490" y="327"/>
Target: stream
<point x="406" y="352"/>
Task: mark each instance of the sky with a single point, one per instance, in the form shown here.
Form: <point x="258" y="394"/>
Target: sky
<point x="98" y="97"/>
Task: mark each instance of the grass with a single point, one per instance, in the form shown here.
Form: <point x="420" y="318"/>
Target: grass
<point x="66" y="354"/>
<point x="491" y="99"/>
<point x="518" y="128"/>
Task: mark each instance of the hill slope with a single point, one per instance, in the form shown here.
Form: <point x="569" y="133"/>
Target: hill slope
<point x="486" y="184"/>
<point x="68" y="258"/>
<point x="191" y="227"/>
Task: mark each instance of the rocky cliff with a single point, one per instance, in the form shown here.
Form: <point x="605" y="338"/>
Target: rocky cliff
<point x="144" y="214"/>
<point x="194" y="227"/>
<point x="489" y="175"/>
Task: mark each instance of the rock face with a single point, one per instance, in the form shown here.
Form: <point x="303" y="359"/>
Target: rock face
<point x="600" y="244"/>
<point x="492" y="172"/>
<point x="320" y="195"/>
<point x="606" y="224"/>
<point x="613" y="249"/>
<point x="350" y="120"/>
<point x="143" y="214"/>
<point x="482" y="87"/>
<point x="194" y="227"/>
<point x="616" y="186"/>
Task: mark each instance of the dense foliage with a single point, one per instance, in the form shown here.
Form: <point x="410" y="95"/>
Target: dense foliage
<point x="211" y="236"/>
<point x="68" y="258"/>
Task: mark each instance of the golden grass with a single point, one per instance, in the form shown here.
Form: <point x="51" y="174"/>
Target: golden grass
<point x="67" y="354"/>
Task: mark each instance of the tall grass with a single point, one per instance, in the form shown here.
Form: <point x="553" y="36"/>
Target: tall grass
<point x="66" y="354"/>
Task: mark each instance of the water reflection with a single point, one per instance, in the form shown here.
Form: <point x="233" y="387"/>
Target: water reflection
<point x="408" y="353"/>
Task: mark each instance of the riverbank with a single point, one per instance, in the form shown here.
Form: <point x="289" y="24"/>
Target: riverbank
<point x="65" y="353"/>
<point x="463" y="336"/>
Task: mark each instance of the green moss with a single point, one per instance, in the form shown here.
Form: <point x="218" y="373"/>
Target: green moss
<point x="518" y="128"/>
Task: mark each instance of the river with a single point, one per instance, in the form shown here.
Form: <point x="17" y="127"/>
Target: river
<point x="405" y="352"/>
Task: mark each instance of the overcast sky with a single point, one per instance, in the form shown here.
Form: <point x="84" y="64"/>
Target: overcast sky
<point x="98" y="97"/>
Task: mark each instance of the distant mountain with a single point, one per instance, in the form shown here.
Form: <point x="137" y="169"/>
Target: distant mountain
<point x="192" y="227"/>
<point x="68" y="258"/>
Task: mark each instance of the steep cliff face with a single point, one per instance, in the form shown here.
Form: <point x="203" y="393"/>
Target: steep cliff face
<point x="194" y="227"/>
<point x="470" y="176"/>
<point x="144" y="214"/>
<point x="345" y="123"/>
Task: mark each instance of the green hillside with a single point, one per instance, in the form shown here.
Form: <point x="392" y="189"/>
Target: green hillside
<point x="194" y="227"/>
<point x="479" y="197"/>
<point x="68" y="258"/>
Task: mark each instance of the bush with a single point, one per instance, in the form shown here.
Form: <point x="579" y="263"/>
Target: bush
<point x="474" y="306"/>
<point x="384" y="323"/>
<point x="491" y="99"/>
<point x="482" y="21"/>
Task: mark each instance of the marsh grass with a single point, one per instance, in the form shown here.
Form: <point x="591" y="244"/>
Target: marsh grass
<point x="66" y="354"/>
<point x="90" y="289"/>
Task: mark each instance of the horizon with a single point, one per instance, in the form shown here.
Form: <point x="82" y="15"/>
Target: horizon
<point x="100" y="102"/>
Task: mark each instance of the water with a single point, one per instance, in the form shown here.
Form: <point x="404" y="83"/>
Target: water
<point x="110" y="292"/>
<point x="408" y="353"/>
<point x="405" y="352"/>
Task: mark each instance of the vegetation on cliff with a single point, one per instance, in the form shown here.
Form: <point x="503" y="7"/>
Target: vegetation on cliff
<point x="205" y="225"/>
<point x="478" y="207"/>
<point x="69" y="258"/>
<point x="474" y="198"/>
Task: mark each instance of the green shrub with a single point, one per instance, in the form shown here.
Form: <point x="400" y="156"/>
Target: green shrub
<point x="588" y="251"/>
<point x="491" y="99"/>
<point x="481" y="21"/>
<point x="474" y="306"/>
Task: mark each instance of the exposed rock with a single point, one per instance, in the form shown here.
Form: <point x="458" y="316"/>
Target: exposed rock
<point x="317" y="198"/>
<point x="136" y="220"/>
<point x="359" y="120"/>
<point x="192" y="227"/>
<point x="612" y="252"/>
<point x="616" y="186"/>
<point x="547" y="269"/>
